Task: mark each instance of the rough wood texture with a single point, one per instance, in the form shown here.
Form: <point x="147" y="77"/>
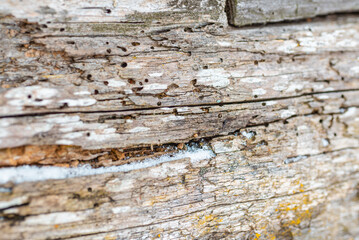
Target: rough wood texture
<point x="278" y="105"/>
<point x="247" y="12"/>
<point x="170" y="87"/>
<point x="283" y="182"/>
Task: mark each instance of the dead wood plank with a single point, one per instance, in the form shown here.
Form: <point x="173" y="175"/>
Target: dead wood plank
<point x="247" y="12"/>
<point x="136" y="14"/>
<point x="101" y="101"/>
<point x="163" y="125"/>
<point x="273" y="183"/>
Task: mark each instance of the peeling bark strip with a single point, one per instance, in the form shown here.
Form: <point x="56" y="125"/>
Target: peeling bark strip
<point x="114" y="82"/>
<point x="247" y="12"/>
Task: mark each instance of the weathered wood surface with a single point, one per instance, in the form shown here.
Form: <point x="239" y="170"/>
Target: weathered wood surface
<point x="277" y="104"/>
<point x="84" y="96"/>
<point x="247" y="12"/>
<point x="138" y="13"/>
<point x="295" y="180"/>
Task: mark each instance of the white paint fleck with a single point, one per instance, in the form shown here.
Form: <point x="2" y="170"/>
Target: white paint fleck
<point x="36" y="92"/>
<point x="63" y="119"/>
<point x="216" y="77"/>
<point x="64" y="142"/>
<point x="325" y="142"/>
<point x="183" y="109"/>
<point x="259" y="91"/>
<point x="155" y="86"/>
<point x="323" y="97"/>
<point x="139" y="129"/>
<point x="288" y="46"/>
<point x="158" y="74"/>
<point x="355" y="69"/>
<point x="351" y="112"/>
<point x="172" y="118"/>
<point x="287" y="113"/>
<point x="248" y="135"/>
<point x="119" y="185"/>
<point x="123" y="209"/>
<point x="82" y="93"/>
<point x="294" y="87"/>
<point x="56" y="218"/>
<point x="82" y="102"/>
<point x="270" y="103"/>
<point x="224" y="43"/>
<point x="279" y="87"/>
<point x="73" y="135"/>
<point x="13" y="202"/>
<point x="251" y="80"/>
<point x="115" y="83"/>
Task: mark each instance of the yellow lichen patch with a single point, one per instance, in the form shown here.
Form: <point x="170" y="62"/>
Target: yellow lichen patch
<point x="108" y="237"/>
<point x="207" y="223"/>
<point x="291" y="214"/>
<point x="53" y="76"/>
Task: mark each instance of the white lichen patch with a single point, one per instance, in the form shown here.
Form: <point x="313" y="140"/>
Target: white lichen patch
<point x="216" y="77"/>
<point x="34" y="173"/>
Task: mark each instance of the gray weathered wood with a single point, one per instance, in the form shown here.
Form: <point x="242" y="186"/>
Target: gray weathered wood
<point x="184" y="76"/>
<point x="247" y="12"/>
